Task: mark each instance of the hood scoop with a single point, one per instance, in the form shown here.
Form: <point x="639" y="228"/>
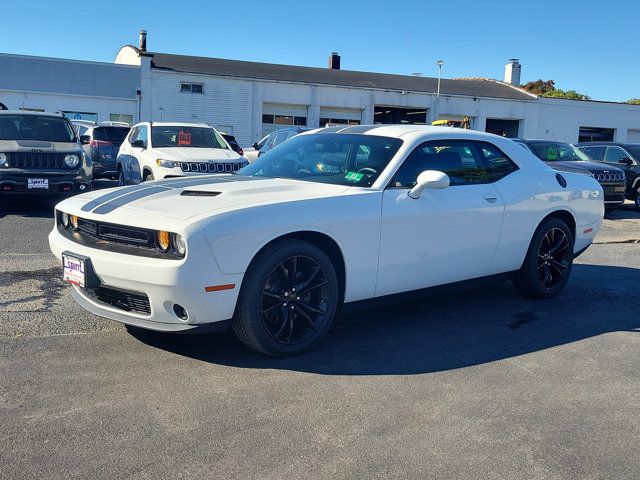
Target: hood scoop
<point x="199" y="193"/>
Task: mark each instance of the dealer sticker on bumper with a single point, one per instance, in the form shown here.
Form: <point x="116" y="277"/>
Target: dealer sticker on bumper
<point x="38" y="183"/>
<point x="73" y="270"/>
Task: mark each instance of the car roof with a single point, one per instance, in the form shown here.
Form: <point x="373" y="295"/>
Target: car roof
<point x="405" y="130"/>
<point x="604" y="143"/>
<point x="28" y="112"/>
<point x="175" y="124"/>
<point x="539" y="140"/>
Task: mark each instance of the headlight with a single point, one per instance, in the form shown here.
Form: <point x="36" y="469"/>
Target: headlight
<point x="3" y="159"/>
<point x="179" y="245"/>
<point x="166" y="163"/>
<point x="74" y="221"/>
<point x="72" y="160"/>
<point x="164" y="240"/>
<point x="64" y="219"/>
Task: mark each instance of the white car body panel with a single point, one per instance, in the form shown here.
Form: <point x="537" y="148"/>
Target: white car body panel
<point x="389" y="242"/>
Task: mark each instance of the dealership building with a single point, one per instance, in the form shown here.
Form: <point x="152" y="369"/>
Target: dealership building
<point x="250" y="99"/>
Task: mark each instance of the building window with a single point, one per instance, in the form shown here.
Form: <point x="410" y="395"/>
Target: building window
<point x="191" y="87"/>
<point x="121" y="117"/>
<point x="284" y="120"/>
<point x="93" y="117"/>
<point x="338" y="121"/>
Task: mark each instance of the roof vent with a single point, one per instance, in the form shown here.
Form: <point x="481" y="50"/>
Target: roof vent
<point x="143" y="41"/>
<point x="199" y="193"/>
<point x="334" y="61"/>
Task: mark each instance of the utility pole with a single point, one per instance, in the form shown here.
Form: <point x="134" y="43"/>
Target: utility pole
<point x="439" y="63"/>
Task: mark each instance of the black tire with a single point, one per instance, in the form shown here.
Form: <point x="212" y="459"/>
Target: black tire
<point x="122" y="181"/>
<point x="148" y="176"/>
<point x="544" y="273"/>
<point x="636" y="199"/>
<point x="266" y="318"/>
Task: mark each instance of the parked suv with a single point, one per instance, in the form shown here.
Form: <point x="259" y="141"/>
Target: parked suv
<point x="101" y="143"/>
<point x="41" y="153"/>
<point x="564" y="156"/>
<point x="623" y="155"/>
<point x="153" y="151"/>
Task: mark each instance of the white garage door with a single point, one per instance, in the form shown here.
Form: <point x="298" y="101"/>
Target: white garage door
<point x="633" y="136"/>
<point x="340" y="115"/>
<point x="275" y="116"/>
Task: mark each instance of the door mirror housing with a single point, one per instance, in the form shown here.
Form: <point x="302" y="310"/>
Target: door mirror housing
<point x="84" y="139"/>
<point x="431" y="179"/>
<point x="626" y="161"/>
<point x="256" y="146"/>
<point x="138" y="144"/>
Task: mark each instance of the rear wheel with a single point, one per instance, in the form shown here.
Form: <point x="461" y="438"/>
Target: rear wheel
<point x="288" y="299"/>
<point x="547" y="266"/>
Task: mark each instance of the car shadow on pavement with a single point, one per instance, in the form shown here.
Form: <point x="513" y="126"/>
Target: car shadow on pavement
<point x="626" y="212"/>
<point x="458" y="330"/>
<point x="38" y="206"/>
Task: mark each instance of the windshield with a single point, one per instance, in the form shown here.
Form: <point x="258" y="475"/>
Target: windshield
<point x="341" y="159"/>
<point x="186" y="137"/>
<point x="35" y="127"/>
<point x="110" y="134"/>
<point x="556" y="151"/>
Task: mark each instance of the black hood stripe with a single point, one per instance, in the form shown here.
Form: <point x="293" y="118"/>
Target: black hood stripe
<point x="96" y="202"/>
<point x="128" y="198"/>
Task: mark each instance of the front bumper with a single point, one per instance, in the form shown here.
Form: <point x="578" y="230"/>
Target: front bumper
<point x="614" y="193"/>
<point x="166" y="283"/>
<point x="17" y="181"/>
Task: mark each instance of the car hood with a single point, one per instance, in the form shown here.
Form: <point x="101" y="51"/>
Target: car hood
<point x="185" y="198"/>
<point x="578" y="166"/>
<point x="196" y="154"/>
<point x="40" y="146"/>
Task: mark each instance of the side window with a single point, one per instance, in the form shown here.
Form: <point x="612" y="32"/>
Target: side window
<point x="142" y="134"/>
<point x="280" y="137"/>
<point x="594" y="153"/>
<point x="498" y="165"/>
<point x="458" y="159"/>
<point x="614" y="154"/>
<point x="134" y="134"/>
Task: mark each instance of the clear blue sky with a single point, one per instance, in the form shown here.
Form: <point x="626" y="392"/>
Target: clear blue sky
<point x="586" y="45"/>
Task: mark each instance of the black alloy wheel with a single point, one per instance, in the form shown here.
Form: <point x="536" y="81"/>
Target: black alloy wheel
<point x="553" y="258"/>
<point x="288" y="298"/>
<point x="547" y="266"/>
<point x="294" y="300"/>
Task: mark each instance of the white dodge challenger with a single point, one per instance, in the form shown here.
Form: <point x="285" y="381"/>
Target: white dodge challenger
<point x="334" y="216"/>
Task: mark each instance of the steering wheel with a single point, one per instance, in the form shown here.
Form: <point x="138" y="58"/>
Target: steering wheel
<point x="368" y="170"/>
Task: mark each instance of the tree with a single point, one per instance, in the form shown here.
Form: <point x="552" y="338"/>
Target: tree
<point x="539" y="87"/>
<point x="568" y="94"/>
<point x="633" y="101"/>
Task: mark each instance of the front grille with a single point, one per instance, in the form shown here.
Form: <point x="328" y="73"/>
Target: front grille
<point x="117" y="233"/>
<point x="217" y="167"/>
<point x="32" y="160"/>
<point x="609" y="177"/>
<point x="121" y="299"/>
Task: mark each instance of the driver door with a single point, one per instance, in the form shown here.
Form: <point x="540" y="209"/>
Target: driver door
<point x="444" y="235"/>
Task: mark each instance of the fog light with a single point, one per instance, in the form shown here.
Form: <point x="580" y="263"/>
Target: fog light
<point x="64" y="218"/>
<point x="180" y="312"/>
<point x="82" y="187"/>
<point x="164" y="240"/>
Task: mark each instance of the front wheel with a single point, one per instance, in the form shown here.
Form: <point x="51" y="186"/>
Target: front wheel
<point x="636" y="199"/>
<point x="122" y="181"/>
<point x="288" y="299"/>
<point x="547" y="266"/>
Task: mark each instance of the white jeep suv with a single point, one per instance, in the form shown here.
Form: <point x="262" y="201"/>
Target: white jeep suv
<point x="153" y="151"/>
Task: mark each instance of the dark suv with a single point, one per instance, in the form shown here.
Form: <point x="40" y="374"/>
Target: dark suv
<point x="40" y="153"/>
<point x="564" y="156"/>
<point x="622" y="155"/>
<point x="102" y="143"/>
<point x="276" y="137"/>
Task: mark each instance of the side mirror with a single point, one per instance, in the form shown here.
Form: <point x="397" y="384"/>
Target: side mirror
<point x="84" y="139"/>
<point x="138" y="144"/>
<point x="626" y="161"/>
<point x="432" y="179"/>
<point x="256" y="146"/>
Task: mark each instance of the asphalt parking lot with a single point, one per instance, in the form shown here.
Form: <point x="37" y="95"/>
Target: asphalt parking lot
<point x="477" y="384"/>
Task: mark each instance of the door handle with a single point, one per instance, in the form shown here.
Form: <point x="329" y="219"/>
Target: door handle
<point x="490" y="197"/>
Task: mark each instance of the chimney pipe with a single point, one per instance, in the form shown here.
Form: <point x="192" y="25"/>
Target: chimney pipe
<point x="512" y="72"/>
<point x="143" y="41"/>
<point x="334" y="61"/>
